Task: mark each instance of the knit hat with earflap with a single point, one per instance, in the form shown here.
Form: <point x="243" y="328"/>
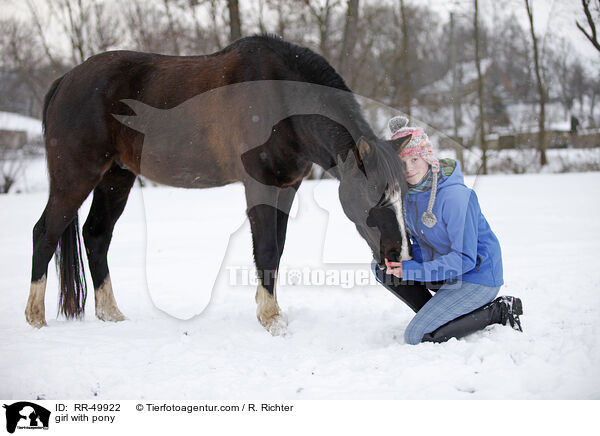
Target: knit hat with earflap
<point x="418" y="146"/>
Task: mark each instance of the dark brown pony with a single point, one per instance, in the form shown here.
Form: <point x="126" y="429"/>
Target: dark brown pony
<point x="261" y="111"/>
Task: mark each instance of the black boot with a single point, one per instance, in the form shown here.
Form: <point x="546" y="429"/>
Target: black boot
<point x="503" y="310"/>
<point x="414" y="295"/>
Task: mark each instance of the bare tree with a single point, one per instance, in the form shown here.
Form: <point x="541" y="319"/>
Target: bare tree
<point x="594" y="93"/>
<point x="10" y="169"/>
<point x="371" y="17"/>
<point x="400" y="62"/>
<point x="41" y="34"/>
<point x="235" y="23"/>
<point x="565" y="73"/>
<point x="482" y="142"/>
<point x="405" y="60"/>
<point x="285" y="15"/>
<point x="172" y="27"/>
<point x="104" y="29"/>
<point x="323" y="14"/>
<point x="155" y="27"/>
<point x="74" y="18"/>
<point x="199" y="38"/>
<point x="592" y="15"/>
<point x="540" y="88"/>
<point x="214" y="15"/>
<point x="456" y="109"/>
<point x="88" y="26"/>
<point x="143" y="24"/>
<point x="513" y="54"/>
<point x="20" y="53"/>
<point x="193" y="11"/>
<point x="349" y="39"/>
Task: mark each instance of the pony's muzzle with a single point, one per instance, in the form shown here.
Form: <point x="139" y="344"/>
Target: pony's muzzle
<point x="394" y="255"/>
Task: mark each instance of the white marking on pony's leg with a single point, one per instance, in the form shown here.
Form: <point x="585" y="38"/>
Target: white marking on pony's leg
<point x="268" y="312"/>
<point x="396" y="200"/>
<point x="35" y="311"/>
<point x="106" y="306"/>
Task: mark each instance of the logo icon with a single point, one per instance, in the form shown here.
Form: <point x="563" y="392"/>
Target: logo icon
<point x="26" y="415"/>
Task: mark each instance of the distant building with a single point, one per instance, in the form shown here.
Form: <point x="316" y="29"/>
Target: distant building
<point x="17" y="130"/>
<point x="440" y="92"/>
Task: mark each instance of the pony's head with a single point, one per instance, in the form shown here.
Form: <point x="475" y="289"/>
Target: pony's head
<point x="370" y="190"/>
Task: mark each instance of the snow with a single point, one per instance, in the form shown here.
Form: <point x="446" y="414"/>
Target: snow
<point x="563" y="126"/>
<point x="343" y="342"/>
<point x="12" y="121"/>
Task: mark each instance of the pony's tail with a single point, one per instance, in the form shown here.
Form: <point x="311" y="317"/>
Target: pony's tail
<point x="69" y="263"/>
<point x="47" y="99"/>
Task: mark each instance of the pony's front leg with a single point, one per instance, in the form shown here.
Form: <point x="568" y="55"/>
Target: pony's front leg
<point x="268" y="210"/>
<point x="268" y="312"/>
<point x="263" y="223"/>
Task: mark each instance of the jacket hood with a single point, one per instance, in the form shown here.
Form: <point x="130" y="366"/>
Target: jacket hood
<point x="455" y="177"/>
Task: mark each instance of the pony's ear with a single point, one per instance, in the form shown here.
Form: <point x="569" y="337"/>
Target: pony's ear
<point x="366" y="157"/>
<point x="364" y="149"/>
<point x="398" y="144"/>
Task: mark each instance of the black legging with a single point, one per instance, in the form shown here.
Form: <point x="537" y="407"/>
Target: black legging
<point x="413" y="294"/>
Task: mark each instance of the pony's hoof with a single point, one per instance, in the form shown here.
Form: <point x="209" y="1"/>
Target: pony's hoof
<point x="110" y="315"/>
<point x="35" y="312"/>
<point x="277" y="325"/>
<point x="106" y="306"/>
<point x="268" y="312"/>
<point x="36" y="321"/>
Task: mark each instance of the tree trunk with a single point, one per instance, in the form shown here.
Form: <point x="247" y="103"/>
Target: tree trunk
<point x="197" y="25"/>
<point x="591" y="35"/>
<point x="349" y="40"/>
<point x="281" y="22"/>
<point x="235" y="24"/>
<point x="540" y="88"/>
<point x="322" y="15"/>
<point x="405" y="61"/>
<point x="480" y="91"/>
<point x="592" y="106"/>
<point x="215" y="28"/>
<point x="42" y="36"/>
<point x="172" y="31"/>
<point x="455" y="99"/>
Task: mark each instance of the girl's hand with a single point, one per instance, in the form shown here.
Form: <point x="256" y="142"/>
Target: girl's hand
<point x="393" y="268"/>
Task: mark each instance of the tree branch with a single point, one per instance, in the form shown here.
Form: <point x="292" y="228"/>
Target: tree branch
<point x="593" y="37"/>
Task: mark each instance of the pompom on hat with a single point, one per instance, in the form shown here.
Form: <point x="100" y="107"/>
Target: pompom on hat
<point x="418" y="146"/>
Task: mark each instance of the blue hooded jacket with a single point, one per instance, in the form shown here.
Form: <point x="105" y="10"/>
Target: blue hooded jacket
<point x="460" y="245"/>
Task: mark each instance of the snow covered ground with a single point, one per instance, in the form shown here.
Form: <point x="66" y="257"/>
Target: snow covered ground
<point x="12" y="121"/>
<point x="344" y="341"/>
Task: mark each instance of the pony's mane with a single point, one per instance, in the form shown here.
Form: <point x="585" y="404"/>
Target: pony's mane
<point x="312" y="68"/>
<point x="391" y="166"/>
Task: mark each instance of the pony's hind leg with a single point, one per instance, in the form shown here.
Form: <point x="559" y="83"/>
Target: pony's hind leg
<point x="35" y="311"/>
<point x="59" y="223"/>
<point x="110" y="197"/>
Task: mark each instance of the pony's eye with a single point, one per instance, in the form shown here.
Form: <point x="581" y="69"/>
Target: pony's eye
<point x="383" y="199"/>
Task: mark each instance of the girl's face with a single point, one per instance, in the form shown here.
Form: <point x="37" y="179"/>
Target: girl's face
<point x="415" y="168"/>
